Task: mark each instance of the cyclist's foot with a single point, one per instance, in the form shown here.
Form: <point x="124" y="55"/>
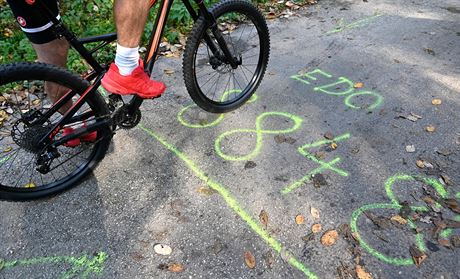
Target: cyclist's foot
<point x="90" y="137"/>
<point x="137" y="83"/>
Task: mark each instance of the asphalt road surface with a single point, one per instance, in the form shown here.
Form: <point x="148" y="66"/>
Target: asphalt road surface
<point x="350" y="85"/>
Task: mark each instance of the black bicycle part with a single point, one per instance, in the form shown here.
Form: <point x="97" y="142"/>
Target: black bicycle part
<point x="217" y="63"/>
<point x="23" y="134"/>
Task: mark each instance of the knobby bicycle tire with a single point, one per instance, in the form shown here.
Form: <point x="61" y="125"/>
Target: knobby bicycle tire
<point x="193" y="43"/>
<point x="25" y="71"/>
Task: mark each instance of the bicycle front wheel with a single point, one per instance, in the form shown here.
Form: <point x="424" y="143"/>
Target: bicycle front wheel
<point x="212" y="82"/>
<point x="24" y="91"/>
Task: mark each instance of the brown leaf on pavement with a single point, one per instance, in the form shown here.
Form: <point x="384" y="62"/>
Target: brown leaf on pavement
<point x="429" y="51"/>
<point x="329" y="237"/>
<point x="420" y="164"/>
<point x="455" y="239"/>
<point x="329" y="135"/>
<point x="176" y="267"/>
<point x="358" y="85"/>
<point x="249" y="259"/>
<point x="316" y="228"/>
<point x="299" y="219"/>
<point x="453" y="205"/>
<point x="398" y="219"/>
<point x="263" y="217"/>
<point x="417" y="255"/>
<point x="379" y="221"/>
<point x="444" y="242"/>
<point x="206" y="191"/>
<point x="430" y="128"/>
<point x="269" y="259"/>
<point x="361" y="273"/>
<point x="436" y="102"/>
<point x="314" y="212"/>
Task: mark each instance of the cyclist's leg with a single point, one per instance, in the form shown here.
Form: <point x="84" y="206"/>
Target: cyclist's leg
<point x="48" y="48"/>
<point x="126" y="76"/>
<point x="55" y="53"/>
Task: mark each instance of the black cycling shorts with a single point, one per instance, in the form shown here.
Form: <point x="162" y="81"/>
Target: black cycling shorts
<point x="37" y="27"/>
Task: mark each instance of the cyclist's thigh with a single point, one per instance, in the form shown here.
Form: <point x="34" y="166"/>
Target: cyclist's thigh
<point x="36" y="26"/>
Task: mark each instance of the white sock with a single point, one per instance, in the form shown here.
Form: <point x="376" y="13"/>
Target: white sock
<point x="127" y="59"/>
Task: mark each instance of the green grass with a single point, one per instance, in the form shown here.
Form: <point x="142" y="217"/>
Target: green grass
<point x="86" y="18"/>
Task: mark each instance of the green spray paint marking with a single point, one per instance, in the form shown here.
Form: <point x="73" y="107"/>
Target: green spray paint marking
<point x="233" y="204"/>
<point x="439" y="188"/>
<point x="309" y="75"/>
<point x="4" y="159"/>
<point x="308" y="177"/>
<point x="378" y="99"/>
<point x="259" y="134"/>
<point x="341" y="81"/>
<point x="403" y="177"/>
<point x="180" y="115"/>
<point x="324" y="165"/>
<point x="84" y="265"/>
<point x="355" y="24"/>
<point x="387" y="259"/>
<point x="341" y="87"/>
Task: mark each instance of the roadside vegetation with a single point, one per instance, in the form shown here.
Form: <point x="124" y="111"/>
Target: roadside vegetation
<point x="93" y="17"/>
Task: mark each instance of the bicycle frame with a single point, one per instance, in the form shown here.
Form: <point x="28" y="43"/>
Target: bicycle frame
<point x="99" y="70"/>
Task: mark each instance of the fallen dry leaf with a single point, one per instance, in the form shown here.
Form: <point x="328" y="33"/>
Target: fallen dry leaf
<point x="8" y="149"/>
<point x="329" y="237"/>
<point x="444" y="242"/>
<point x="430" y="128"/>
<point x="263" y="217"/>
<point x="314" y="212"/>
<point x="299" y="219"/>
<point x="453" y="205"/>
<point x="206" y="191"/>
<point x="358" y="85"/>
<point x="329" y="135"/>
<point x="316" y="228"/>
<point x="169" y="71"/>
<point x="399" y="219"/>
<point x="417" y="255"/>
<point x="455" y="239"/>
<point x="249" y="259"/>
<point x="176" y="267"/>
<point x="429" y="51"/>
<point x="269" y="259"/>
<point x="420" y="164"/>
<point x="447" y="180"/>
<point x="436" y="102"/>
<point x="361" y="273"/>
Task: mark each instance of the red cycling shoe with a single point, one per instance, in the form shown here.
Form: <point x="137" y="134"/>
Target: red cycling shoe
<point x="137" y="83"/>
<point x="91" y="137"/>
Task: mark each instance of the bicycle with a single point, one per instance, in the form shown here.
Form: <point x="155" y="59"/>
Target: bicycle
<point x="35" y="160"/>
